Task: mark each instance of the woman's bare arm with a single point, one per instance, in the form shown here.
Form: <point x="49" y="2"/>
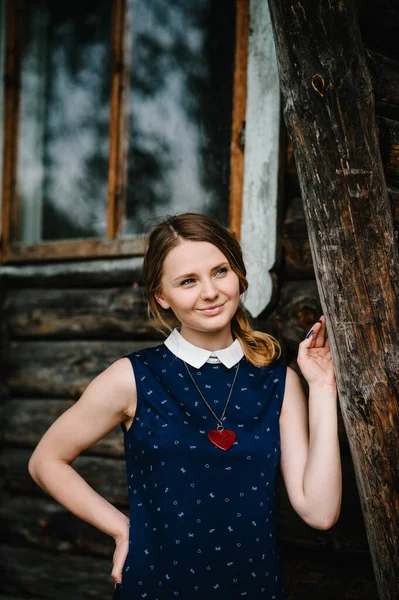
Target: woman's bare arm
<point x="310" y="454"/>
<point x="107" y="401"/>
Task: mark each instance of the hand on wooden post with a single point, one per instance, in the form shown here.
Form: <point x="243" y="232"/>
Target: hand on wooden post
<point x="314" y="357"/>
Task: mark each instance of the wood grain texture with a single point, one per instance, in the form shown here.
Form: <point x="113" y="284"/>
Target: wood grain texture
<point x="53" y="575"/>
<point x="106" y="475"/>
<point x="261" y="162"/>
<point x="329" y="113"/>
<point x="78" y="313"/>
<point x="60" y="369"/>
<point x="73" y="274"/>
<point x="238" y="121"/>
<point x="24" y="421"/>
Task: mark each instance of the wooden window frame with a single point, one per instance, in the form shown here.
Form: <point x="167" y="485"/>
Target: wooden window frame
<point x="18" y="252"/>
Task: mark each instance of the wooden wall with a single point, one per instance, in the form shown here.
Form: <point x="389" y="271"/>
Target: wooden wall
<point x="64" y="323"/>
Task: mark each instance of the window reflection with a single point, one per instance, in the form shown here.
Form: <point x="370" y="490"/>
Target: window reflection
<point x="181" y="90"/>
<point x="64" y="119"/>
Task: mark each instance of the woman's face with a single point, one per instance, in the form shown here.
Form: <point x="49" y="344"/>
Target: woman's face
<point x="200" y="287"/>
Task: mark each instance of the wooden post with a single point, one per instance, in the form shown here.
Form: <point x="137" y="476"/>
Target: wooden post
<point x="329" y="112"/>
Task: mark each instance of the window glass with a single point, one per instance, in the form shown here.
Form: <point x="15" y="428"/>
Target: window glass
<point x="180" y="105"/>
<point x="63" y="140"/>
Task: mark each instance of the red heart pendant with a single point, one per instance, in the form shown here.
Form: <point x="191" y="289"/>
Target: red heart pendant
<point x="222" y="439"/>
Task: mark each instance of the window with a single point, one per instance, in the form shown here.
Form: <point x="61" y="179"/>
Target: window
<point x="116" y="113"/>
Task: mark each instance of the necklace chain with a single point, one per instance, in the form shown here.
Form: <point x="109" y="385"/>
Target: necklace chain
<point x="219" y="421"/>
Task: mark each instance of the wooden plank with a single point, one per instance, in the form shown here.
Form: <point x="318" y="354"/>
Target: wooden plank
<point x="118" y="119"/>
<point x="10" y="124"/>
<point x="24" y="421"/>
<point x="104" y="273"/>
<point x="295" y="241"/>
<point x="60" y="369"/>
<point x="81" y="313"/>
<point x="106" y="475"/>
<point x="43" y="524"/>
<point x="332" y="126"/>
<point x="54" y="575"/>
<point x="261" y="162"/>
<point x="239" y="109"/>
<point x="51" y="251"/>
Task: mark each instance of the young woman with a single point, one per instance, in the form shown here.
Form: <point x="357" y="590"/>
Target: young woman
<point x="209" y="417"/>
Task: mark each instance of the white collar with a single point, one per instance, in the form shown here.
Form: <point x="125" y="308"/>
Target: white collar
<point x="197" y="357"/>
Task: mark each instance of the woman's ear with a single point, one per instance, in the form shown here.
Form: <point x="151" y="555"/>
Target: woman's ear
<point x="161" y="300"/>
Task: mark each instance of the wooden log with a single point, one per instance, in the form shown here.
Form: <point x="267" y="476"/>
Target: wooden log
<point x="298" y="309"/>
<point x="107" y="476"/>
<point x="384" y="74"/>
<point x="298" y="261"/>
<point x="78" y="313"/>
<point x="60" y="369"/>
<point x="389" y="145"/>
<point x="43" y="524"/>
<point x="70" y="274"/>
<point x="24" y="421"/>
<point x="50" y="575"/>
<point x="329" y="113"/>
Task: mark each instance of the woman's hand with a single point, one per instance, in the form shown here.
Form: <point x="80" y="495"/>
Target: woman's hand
<point x="119" y="558"/>
<point x="314" y="357"/>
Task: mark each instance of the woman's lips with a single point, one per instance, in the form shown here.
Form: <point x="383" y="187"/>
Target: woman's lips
<point x="212" y="310"/>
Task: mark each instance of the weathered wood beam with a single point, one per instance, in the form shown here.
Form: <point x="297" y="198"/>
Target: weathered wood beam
<point x="329" y="113"/>
<point x="78" y="313"/>
<point x="60" y="369"/>
<point x="24" y="422"/>
<point x="54" y="575"/>
<point x="106" y="475"/>
<point x="71" y="274"/>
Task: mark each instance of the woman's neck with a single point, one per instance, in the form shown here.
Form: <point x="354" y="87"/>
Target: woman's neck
<point x="212" y="340"/>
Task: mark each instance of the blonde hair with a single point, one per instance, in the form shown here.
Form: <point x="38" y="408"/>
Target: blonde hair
<point x="259" y="348"/>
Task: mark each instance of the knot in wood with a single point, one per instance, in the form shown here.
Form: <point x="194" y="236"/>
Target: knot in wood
<point x="360" y="400"/>
<point x="318" y="84"/>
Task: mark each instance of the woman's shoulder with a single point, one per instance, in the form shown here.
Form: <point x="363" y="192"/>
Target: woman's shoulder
<point x="147" y="351"/>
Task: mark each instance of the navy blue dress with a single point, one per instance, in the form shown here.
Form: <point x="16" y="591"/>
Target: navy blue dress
<point x="202" y="521"/>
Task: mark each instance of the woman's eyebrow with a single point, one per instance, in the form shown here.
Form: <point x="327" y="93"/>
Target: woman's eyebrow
<point x="188" y="275"/>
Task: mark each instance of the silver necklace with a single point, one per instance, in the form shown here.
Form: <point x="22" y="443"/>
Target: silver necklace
<point x="220" y="437"/>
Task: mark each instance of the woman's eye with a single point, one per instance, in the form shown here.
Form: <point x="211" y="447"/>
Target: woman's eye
<point x="187" y="281"/>
<point x="222" y="271"/>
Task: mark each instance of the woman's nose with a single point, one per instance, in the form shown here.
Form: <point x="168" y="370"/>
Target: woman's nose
<point x="208" y="290"/>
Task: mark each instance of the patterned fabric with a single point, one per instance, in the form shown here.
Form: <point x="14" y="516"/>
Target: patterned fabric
<point x="202" y="519"/>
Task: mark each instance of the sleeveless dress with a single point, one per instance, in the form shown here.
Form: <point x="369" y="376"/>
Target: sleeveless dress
<point x="202" y="520"/>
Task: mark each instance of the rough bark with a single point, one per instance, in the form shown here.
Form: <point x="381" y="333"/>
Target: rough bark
<point x="329" y="113"/>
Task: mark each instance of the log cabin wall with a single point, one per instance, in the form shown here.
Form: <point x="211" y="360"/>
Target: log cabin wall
<point x="64" y="323"/>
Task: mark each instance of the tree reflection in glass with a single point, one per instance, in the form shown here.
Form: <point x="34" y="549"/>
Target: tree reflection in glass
<point x="181" y="93"/>
<point x="64" y="119"/>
